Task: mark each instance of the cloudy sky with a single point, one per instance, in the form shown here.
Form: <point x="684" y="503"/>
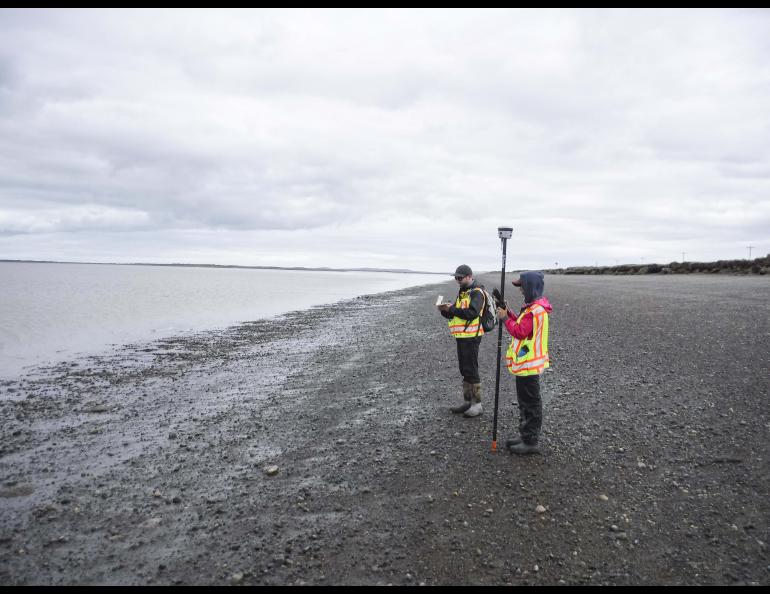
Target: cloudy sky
<point x="397" y="138"/>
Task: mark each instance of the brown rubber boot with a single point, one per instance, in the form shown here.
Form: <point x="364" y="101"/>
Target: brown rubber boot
<point x="467" y="395"/>
<point x="475" y="408"/>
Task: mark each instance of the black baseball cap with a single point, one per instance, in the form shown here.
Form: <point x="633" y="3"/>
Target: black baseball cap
<point x="463" y="270"/>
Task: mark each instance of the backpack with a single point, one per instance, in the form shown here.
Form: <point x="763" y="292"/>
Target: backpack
<point x="488" y="313"/>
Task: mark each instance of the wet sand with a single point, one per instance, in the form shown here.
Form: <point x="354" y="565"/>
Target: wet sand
<point x="148" y="466"/>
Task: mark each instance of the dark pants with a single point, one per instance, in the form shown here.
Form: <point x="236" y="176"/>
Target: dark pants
<point x="468" y="358"/>
<point x="530" y="407"/>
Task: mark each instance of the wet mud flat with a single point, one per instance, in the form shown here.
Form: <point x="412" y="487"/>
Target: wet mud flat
<point x="149" y="465"/>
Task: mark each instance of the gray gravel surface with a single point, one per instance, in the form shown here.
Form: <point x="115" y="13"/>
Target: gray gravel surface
<point x="318" y="449"/>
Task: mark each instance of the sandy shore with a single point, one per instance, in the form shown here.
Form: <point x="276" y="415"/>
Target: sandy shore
<point x="148" y="466"/>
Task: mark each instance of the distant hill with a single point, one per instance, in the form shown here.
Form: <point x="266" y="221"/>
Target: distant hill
<point x="755" y="266"/>
<point x="322" y="269"/>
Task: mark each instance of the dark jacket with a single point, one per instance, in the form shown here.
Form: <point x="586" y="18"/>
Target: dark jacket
<point x="474" y="310"/>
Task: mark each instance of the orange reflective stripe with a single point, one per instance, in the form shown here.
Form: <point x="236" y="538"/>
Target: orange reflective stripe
<point x="532" y="371"/>
<point x="538" y="369"/>
<point x="531" y="362"/>
<point x="538" y="334"/>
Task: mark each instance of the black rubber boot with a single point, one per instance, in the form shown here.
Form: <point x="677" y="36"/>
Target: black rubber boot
<point x="525" y="449"/>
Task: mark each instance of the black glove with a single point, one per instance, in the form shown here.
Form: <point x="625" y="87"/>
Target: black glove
<point x="498" y="299"/>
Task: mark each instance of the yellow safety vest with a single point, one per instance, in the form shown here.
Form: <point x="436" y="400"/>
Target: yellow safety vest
<point x="529" y="356"/>
<point x="461" y="328"/>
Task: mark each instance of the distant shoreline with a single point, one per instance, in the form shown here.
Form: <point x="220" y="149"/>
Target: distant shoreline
<point x="759" y="266"/>
<point x="180" y="265"/>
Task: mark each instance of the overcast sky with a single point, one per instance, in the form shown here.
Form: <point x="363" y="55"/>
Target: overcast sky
<point x="396" y="138"/>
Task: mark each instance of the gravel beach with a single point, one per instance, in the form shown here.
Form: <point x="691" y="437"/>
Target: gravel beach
<point x="318" y="449"/>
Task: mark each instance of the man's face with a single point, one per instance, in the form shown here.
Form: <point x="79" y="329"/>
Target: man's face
<point x="464" y="281"/>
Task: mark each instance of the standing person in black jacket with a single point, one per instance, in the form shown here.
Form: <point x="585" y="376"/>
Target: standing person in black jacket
<point x="465" y="325"/>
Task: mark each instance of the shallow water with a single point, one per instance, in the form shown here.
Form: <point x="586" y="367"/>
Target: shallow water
<point x="52" y="312"/>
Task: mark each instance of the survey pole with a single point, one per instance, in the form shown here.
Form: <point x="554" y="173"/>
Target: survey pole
<point x="504" y="233"/>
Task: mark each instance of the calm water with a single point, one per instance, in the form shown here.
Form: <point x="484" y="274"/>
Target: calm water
<point x="53" y="312"/>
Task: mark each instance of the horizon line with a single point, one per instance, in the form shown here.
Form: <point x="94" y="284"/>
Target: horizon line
<point x="181" y="264"/>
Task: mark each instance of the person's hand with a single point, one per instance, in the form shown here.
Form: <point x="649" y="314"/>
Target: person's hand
<point x="502" y="314"/>
<point x="444" y="306"/>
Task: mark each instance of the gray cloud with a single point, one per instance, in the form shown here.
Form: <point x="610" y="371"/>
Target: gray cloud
<point x="396" y="138"/>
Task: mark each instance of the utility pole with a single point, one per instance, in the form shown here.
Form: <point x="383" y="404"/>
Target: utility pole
<point x="749" y="246"/>
<point x="683" y="253"/>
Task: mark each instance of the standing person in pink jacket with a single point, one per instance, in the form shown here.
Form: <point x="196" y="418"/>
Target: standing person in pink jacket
<point x="527" y="358"/>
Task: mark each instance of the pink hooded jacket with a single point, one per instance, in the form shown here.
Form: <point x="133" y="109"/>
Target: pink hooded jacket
<point x="523" y="329"/>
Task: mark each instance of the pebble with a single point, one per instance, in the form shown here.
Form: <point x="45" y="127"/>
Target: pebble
<point x="236" y="578"/>
<point x="99" y="408"/>
<point x="540" y="509"/>
<point x="271" y="470"/>
<point x="17" y="491"/>
<point x="603" y="497"/>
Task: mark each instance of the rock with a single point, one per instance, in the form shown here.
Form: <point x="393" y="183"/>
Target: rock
<point x="17" y="491"/>
<point x="603" y="497"/>
<point x="540" y="509"/>
<point x="99" y="408"/>
<point x="271" y="470"/>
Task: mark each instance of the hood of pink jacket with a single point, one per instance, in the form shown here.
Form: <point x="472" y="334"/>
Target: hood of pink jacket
<point x="545" y="303"/>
